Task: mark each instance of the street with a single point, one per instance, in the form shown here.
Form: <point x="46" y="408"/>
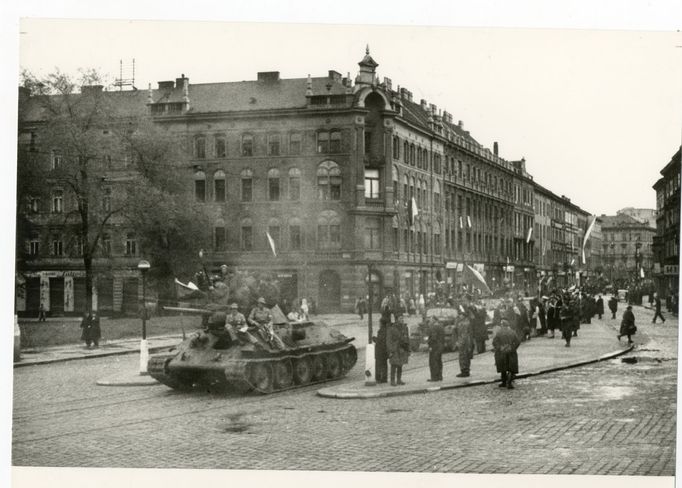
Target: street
<point x="616" y="417"/>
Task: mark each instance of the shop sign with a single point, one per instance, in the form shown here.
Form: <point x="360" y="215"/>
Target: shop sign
<point x="671" y="269"/>
<point x="450" y="265"/>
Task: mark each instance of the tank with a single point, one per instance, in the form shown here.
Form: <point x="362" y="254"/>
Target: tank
<point x="220" y="358"/>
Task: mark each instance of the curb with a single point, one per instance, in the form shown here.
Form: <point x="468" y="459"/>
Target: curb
<point x="93" y="356"/>
<point x="136" y="380"/>
<point x="329" y="393"/>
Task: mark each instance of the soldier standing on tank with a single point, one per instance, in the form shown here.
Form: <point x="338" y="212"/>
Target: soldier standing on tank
<point x="381" y="352"/>
<point x="436" y="344"/>
<point x="261" y="318"/>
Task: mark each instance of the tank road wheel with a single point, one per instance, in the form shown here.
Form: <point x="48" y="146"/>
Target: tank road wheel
<point x="261" y="377"/>
<point x="303" y="370"/>
<point x="284" y="374"/>
<point x="348" y="359"/>
<point x="334" y="368"/>
<point x="319" y="368"/>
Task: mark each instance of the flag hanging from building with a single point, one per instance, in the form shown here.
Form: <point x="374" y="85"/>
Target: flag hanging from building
<point x="530" y="234"/>
<point x="413" y="211"/>
<point x="473" y="277"/>
<point x="469" y="221"/>
<point x="271" y="241"/>
<point x="461" y="224"/>
<point x="587" y="236"/>
<point x="641" y="272"/>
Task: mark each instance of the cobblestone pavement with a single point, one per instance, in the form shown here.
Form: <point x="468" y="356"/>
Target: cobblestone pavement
<point x="608" y="418"/>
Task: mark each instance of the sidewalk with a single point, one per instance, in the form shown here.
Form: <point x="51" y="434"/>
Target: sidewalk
<point x="595" y="342"/>
<point x="348" y="324"/>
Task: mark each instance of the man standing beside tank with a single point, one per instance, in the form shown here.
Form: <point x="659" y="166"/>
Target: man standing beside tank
<point x="398" y="346"/>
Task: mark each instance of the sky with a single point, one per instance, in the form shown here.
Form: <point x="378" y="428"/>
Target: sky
<point x="595" y="113"/>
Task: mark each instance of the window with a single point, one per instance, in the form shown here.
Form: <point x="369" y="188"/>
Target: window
<point x="246" y="180"/>
<point x="33" y="205"/>
<point x="273" y="144"/>
<point x="294" y="184"/>
<point x="57" y="245"/>
<point x="368" y="141"/>
<point x="247" y="145"/>
<point x="57" y="160"/>
<point x="328" y="230"/>
<point x="105" y="243"/>
<point x="200" y="147"/>
<point x="219" y="235"/>
<point x="295" y="139"/>
<point x="219" y="186"/>
<point x="131" y="244"/>
<point x="106" y="199"/>
<point x="34" y="246"/>
<point x="372" y="183"/>
<point x="295" y="240"/>
<point x="220" y="147"/>
<point x="372" y="234"/>
<point x="396" y="147"/>
<point x="436" y="196"/>
<point x="329" y="181"/>
<point x="200" y="186"/>
<point x="57" y="201"/>
<point x="77" y="246"/>
<point x="246" y="235"/>
<point x="406" y="152"/>
<point x="396" y="184"/>
<point x="329" y="141"/>
<point x="273" y="185"/>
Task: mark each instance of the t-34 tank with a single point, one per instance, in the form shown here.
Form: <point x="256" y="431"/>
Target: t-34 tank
<point x="221" y="358"/>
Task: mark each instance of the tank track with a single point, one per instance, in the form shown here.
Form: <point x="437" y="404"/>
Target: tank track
<point x="263" y="375"/>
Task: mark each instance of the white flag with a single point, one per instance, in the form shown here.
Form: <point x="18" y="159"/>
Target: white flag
<point x="461" y="225"/>
<point x="641" y="272"/>
<point x="469" y="221"/>
<point x="272" y="244"/>
<point x="530" y="234"/>
<point x="414" y="211"/>
<point x="587" y="236"/>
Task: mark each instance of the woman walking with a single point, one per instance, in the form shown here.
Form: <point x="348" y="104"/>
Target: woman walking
<point x="627" y="326"/>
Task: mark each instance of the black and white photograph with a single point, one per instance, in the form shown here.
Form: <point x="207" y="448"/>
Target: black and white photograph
<point x="343" y="249"/>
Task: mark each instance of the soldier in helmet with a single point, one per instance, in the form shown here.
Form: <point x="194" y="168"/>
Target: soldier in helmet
<point x="235" y="324"/>
<point x="261" y="319"/>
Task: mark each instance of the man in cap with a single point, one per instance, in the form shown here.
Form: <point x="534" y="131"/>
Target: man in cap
<point x="505" y="344"/>
<point x="261" y="319"/>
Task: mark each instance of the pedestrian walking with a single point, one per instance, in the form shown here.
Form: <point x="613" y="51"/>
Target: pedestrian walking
<point x="505" y="344"/>
<point x="436" y="344"/>
<point x="553" y="315"/>
<point x="91" y="332"/>
<point x="613" y="306"/>
<point x="381" y="352"/>
<point x="480" y="329"/>
<point x="627" y="325"/>
<point x="600" y="306"/>
<point x="359" y="308"/>
<point x="465" y="342"/>
<point x="569" y="314"/>
<point x="657" y="306"/>
<point x="398" y="347"/>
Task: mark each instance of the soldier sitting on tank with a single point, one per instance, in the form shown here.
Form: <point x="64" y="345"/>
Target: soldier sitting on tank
<point x="235" y="323"/>
<point x="260" y="318"/>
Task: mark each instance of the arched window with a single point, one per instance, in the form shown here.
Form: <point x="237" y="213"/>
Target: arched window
<point x="413" y="158"/>
<point x="219" y="186"/>
<point x="328" y="230"/>
<point x="295" y="234"/>
<point x="406" y="152"/>
<point x="295" y="139"/>
<point x="294" y="184"/>
<point x="329" y="181"/>
<point x="406" y="190"/>
<point x="219" y="235"/>
<point x="396" y="184"/>
<point x="131" y="244"/>
<point x="412" y="188"/>
<point x="200" y="186"/>
<point x="274" y="144"/>
<point x="246" y="235"/>
<point x="247" y="185"/>
<point x="57" y="200"/>
<point x="436" y="238"/>
<point x="220" y="146"/>
<point x="273" y="184"/>
<point x="436" y="196"/>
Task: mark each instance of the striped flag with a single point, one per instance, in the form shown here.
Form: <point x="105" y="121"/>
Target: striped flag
<point x="271" y="241"/>
<point x="587" y="236"/>
<point x="530" y="234"/>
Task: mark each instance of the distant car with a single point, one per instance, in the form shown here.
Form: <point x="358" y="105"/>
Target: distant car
<point x="447" y="316"/>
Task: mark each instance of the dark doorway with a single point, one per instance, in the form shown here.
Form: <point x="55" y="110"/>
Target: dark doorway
<point x="330" y="292"/>
<point x="57" y="296"/>
<point x="105" y="295"/>
<point x="130" y="303"/>
<point x="33" y="295"/>
<point x="79" y="297"/>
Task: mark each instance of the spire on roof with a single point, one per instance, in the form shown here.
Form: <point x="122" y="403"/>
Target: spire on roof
<point x="150" y="99"/>
<point x="367" y="50"/>
<point x="309" y="87"/>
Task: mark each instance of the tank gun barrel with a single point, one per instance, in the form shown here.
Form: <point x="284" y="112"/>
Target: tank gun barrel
<point x="194" y="311"/>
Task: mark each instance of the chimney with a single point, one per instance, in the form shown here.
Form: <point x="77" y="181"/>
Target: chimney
<point x="434" y="108"/>
<point x="423" y="104"/>
<point x="388" y="83"/>
<point x="495" y="148"/>
<point x="334" y="75"/>
<point x="181" y="82"/>
<point x="91" y="89"/>
<point x="268" y="76"/>
<point x="460" y="124"/>
<point x="166" y="86"/>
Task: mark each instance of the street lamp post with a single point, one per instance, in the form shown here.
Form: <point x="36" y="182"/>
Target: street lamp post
<point x="144" y="266"/>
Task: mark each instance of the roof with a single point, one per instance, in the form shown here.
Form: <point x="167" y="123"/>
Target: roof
<point x="622" y="220"/>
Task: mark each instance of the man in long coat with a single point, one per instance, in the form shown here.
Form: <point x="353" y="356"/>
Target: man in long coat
<point x="381" y="352"/>
<point x="657" y="307"/>
<point x="398" y="346"/>
<point x="436" y="344"/>
<point x="505" y="344"/>
<point x="613" y="306"/>
<point x="465" y="342"/>
<point x="599" y="307"/>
